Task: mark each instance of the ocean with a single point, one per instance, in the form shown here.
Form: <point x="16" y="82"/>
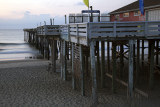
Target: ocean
<point x="13" y="46"/>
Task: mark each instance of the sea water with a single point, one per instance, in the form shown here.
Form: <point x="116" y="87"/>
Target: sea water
<point x="13" y="46"/>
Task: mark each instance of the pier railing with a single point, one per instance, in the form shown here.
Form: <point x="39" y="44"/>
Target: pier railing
<point x="124" y="29"/>
<point x="48" y="30"/>
<point x="81" y="33"/>
<point x="64" y="32"/>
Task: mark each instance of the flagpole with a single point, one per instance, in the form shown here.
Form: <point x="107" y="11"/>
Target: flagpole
<point x="88" y="11"/>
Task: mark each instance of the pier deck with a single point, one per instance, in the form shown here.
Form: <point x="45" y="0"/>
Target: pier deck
<point x="80" y="44"/>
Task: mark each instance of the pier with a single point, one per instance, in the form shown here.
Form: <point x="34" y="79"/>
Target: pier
<point x="92" y="53"/>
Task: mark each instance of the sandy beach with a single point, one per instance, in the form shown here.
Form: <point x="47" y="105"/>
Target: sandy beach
<point x="28" y="83"/>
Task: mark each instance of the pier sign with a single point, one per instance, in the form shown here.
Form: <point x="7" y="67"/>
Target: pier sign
<point x="90" y="11"/>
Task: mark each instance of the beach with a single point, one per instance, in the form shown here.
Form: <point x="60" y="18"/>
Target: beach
<point x="27" y="83"/>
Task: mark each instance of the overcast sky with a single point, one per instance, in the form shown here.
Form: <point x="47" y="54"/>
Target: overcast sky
<point x="19" y="14"/>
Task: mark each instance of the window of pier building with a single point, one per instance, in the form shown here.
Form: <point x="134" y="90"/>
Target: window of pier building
<point x="137" y="13"/>
<point x="126" y="14"/>
<point x="117" y="17"/>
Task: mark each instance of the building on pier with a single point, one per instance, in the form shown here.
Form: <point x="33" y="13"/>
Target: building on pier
<point x="131" y="12"/>
<point x="84" y="17"/>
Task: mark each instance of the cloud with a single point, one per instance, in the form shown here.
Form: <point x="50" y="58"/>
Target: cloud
<point x="29" y="21"/>
<point x="80" y="4"/>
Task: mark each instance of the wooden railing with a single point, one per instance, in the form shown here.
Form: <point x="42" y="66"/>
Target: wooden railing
<point x="64" y="32"/>
<point x="124" y="29"/>
<point x="79" y="33"/>
<point x="48" y="30"/>
<point x="82" y="33"/>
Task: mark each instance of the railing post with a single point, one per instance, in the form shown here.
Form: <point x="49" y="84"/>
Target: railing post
<point x="114" y="29"/>
<point x="69" y="38"/>
<point x="146" y="29"/>
<point x="77" y="34"/>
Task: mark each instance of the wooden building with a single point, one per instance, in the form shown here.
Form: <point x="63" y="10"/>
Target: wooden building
<point x="131" y="12"/>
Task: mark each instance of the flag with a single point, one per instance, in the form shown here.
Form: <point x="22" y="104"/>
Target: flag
<point x="141" y="6"/>
<point x="86" y="2"/>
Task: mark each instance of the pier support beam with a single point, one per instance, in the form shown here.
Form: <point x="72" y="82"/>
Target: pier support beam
<point x="82" y="70"/>
<point x="137" y="60"/>
<point x="102" y="63"/>
<point x="151" y="68"/>
<point x="54" y="46"/>
<point x="121" y="61"/>
<point x="93" y="71"/>
<point x="142" y="53"/>
<point x="108" y="56"/>
<point x="131" y="68"/>
<point x="64" y="62"/>
<point x="61" y="55"/>
<point x="157" y="52"/>
<point x="73" y="72"/>
<point x="114" y="66"/>
<point x="98" y="61"/>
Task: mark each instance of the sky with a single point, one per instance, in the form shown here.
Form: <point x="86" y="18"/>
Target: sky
<point x="19" y="14"/>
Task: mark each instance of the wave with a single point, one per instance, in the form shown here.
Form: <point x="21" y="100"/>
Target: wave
<point x="19" y="52"/>
<point x="4" y="44"/>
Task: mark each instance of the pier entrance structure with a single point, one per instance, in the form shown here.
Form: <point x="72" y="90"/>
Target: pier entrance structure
<point x="97" y="50"/>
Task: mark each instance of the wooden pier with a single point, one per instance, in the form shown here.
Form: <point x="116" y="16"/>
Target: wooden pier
<point x="87" y="48"/>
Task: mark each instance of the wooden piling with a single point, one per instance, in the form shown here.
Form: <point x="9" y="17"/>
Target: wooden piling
<point x="98" y="59"/>
<point x="151" y="75"/>
<point x="114" y="66"/>
<point x="108" y="56"/>
<point x="131" y="68"/>
<point x="82" y="70"/>
<point x="142" y="53"/>
<point x="61" y="56"/>
<point x="121" y="60"/>
<point x="137" y="60"/>
<point x="93" y="70"/>
<point x="73" y="72"/>
<point x="102" y="63"/>
<point x="157" y="52"/>
<point x="54" y="45"/>
<point x="64" y="62"/>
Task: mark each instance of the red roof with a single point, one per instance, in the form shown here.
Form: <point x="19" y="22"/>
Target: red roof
<point x="135" y="6"/>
